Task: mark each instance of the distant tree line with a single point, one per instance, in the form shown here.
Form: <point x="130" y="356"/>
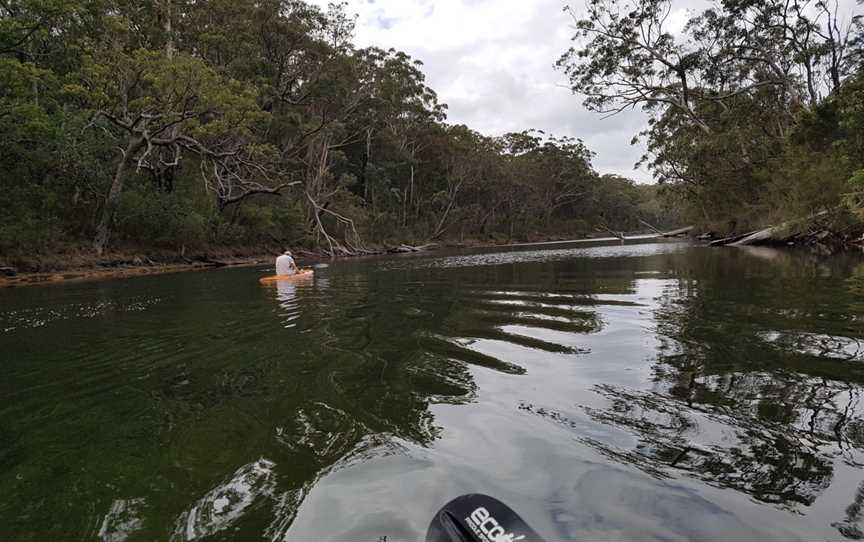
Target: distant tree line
<point x="756" y="107"/>
<point x="183" y="124"/>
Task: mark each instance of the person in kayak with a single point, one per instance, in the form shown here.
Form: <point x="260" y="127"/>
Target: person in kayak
<point x="285" y="264"/>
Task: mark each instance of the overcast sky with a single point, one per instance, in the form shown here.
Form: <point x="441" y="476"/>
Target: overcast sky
<point x="492" y="62"/>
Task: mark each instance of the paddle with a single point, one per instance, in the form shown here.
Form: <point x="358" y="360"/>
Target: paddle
<point x="479" y="518"/>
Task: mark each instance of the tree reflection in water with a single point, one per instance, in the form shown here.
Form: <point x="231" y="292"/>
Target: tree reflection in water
<point x="850" y="527"/>
<point x="206" y="418"/>
<point x="741" y="396"/>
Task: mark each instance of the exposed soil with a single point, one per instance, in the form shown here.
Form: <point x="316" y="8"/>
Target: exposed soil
<point x="130" y="269"/>
<point x="83" y="264"/>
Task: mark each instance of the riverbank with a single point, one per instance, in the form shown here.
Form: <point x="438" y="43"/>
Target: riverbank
<point x="109" y="270"/>
<point x="84" y="265"/>
<point x="81" y="267"/>
<point x="827" y="231"/>
<point x="77" y="264"/>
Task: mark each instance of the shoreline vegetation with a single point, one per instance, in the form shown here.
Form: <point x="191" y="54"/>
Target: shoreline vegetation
<point x="812" y="233"/>
<point x="86" y="266"/>
<point x="755" y="116"/>
<point x="193" y="128"/>
<point x="194" y="131"/>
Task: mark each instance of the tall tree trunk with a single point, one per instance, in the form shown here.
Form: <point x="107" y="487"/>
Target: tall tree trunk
<point x="442" y="223"/>
<point x="103" y="230"/>
<point x="167" y="25"/>
<point x="367" y="157"/>
<point x="408" y="193"/>
<point x="811" y="84"/>
<point x="549" y="211"/>
<point x="486" y="218"/>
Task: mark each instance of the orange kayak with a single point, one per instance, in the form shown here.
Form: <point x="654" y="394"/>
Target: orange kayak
<point x="302" y="274"/>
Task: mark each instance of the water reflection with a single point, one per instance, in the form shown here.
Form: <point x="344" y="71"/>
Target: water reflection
<point x="763" y="412"/>
<point x="286" y="294"/>
<point x="610" y="505"/>
<point x="37" y="317"/>
<point x="287" y="297"/>
<point x="225" y="504"/>
<point x="773" y="464"/>
<point x="823" y="346"/>
<point x="852" y="525"/>
<point x="625" y="393"/>
<point x="122" y="520"/>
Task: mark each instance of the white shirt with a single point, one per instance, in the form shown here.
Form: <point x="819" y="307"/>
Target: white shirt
<point x="285" y="265"/>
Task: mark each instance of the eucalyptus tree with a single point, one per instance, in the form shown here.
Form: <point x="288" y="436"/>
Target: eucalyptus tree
<point x="160" y="123"/>
<point x="627" y="56"/>
<point x="146" y="102"/>
<point x="400" y="114"/>
<point x="558" y="170"/>
<point x="723" y="93"/>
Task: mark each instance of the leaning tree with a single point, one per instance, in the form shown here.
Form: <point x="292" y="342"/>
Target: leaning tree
<point x="159" y="110"/>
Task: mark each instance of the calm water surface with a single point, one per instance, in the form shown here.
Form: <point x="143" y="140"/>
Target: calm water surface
<point x="655" y="392"/>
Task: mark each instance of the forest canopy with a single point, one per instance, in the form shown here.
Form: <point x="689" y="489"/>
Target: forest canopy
<point x="182" y="125"/>
<point x="755" y="106"/>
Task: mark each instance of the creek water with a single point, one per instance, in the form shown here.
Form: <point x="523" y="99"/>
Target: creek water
<point x="647" y="392"/>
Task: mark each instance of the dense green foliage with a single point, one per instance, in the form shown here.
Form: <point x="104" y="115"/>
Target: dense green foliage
<point x="178" y="124"/>
<point x="755" y="106"/>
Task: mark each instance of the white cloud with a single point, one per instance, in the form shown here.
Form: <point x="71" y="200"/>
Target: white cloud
<point x="677" y="21"/>
<point x="492" y="62"/>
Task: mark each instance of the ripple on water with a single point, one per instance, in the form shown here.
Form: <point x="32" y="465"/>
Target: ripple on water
<point x="460" y="349"/>
<point x="226" y="503"/>
<point x="546" y="321"/>
<point x="322" y="430"/>
<point x="819" y="345"/>
<point x="510" y="256"/>
<point x="122" y="520"/>
<point x="36" y="317"/>
<point x="605" y="398"/>
<point x="786" y="465"/>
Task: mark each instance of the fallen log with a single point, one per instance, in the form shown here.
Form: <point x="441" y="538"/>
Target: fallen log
<point x="619" y="234"/>
<point x="404" y="249"/>
<point x="777" y="233"/>
<point x="679" y="231"/>
<point x="401" y="249"/>
<point x="210" y="262"/>
<point x="758" y="236"/>
<point x="728" y="240"/>
<point x="650" y="227"/>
